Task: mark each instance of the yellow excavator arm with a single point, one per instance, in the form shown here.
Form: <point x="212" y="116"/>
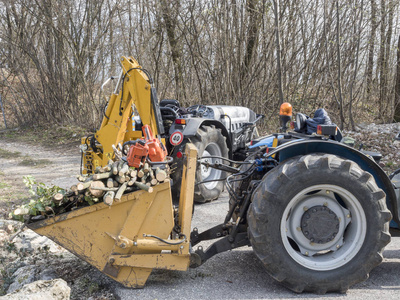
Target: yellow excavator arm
<point x="133" y="89"/>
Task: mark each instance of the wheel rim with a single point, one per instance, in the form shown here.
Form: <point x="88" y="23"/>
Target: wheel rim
<point x="323" y="227"/>
<point x="212" y="149"/>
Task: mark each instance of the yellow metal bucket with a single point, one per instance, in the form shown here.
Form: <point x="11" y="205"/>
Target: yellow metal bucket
<point x="130" y="238"/>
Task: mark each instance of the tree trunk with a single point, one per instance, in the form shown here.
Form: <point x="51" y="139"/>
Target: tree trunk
<point x="388" y="41"/>
<point x="339" y="61"/>
<point x="252" y="35"/>
<point x="382" y="62"/>
<point x="170" y="23"/>
<point x="358" y="35"/>
<point x="278" y="52"/>
<point x="397" y="87"/>
<point x="370" y="65"/>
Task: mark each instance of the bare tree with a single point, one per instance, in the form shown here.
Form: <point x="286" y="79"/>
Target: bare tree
<point x="397" y="86"/>
<point x="339" y="66"/>
<point x="278" y="52"/>
<point x="258" y="53"/>
<point x="356" y="59"/>
<point x="371" y="47"/>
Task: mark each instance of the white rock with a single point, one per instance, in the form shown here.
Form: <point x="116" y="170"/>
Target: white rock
<point x="28" y="241"/>
<point x="42" y="289"/>
<point x="5" y="223"/>
<point x="22" y="276"/>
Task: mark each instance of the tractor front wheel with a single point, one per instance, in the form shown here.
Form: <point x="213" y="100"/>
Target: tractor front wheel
<point x="319" y="223"/>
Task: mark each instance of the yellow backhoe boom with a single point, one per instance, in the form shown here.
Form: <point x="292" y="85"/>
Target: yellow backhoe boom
<point x="132" y="90"/>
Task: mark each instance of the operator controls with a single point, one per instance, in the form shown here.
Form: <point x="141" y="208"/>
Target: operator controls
<point x="319" y="224"/>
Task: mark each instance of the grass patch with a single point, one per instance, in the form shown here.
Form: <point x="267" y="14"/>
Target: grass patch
<point x="9" y="154"/>
<point x="13" y="196"/>
<point x="30" y="162"/>
<point x="4" y="185"/>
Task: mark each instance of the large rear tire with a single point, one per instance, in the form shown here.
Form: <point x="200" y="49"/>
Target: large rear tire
<point x="209" y="141"/>
<point x="319" y="223"/>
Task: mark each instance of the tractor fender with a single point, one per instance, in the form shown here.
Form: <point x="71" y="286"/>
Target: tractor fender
<point x="304" y="147"/>
<point x="193" y="124"/>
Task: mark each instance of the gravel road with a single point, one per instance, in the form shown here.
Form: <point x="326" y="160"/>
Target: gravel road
<point x="231" y="275"/>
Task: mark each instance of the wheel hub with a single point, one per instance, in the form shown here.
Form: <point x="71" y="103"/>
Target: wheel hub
<point x="309" y="227"/>
<point x="207" y="173"/>
<point x="320" y="225"/>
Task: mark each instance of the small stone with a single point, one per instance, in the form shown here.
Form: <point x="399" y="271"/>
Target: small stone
<point x="10" y="229"/>
<point x="47" y="274"/>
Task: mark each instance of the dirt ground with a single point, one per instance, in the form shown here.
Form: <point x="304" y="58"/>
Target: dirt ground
<point x="57" y="164"/>
<point x="53" y="166"/>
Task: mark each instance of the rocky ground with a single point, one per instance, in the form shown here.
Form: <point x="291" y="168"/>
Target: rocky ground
<point x="379" y="138"/>
<point x="31" y="263"/>
<point x="37" y="261"/>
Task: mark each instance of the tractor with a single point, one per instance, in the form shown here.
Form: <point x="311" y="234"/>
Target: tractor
<point x="315" y="210"/>
<point x="216" y="130"/>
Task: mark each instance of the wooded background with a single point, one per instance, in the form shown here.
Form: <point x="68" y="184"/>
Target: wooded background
<point x="341" y="55"/>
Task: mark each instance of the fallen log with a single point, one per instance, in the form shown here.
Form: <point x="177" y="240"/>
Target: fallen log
<point x="102" y="175"/>
<point x="58" y="197"/>
<point x="93" y="188"/>
<point x="109" y="198"/>
<point x="120" y="192"/>
<point x="110" y="182"/>
<point x="83" y="185"/>
<point x="115" y="167"/>
<point x="106" y="189"/>
<point x="132" y="181"/>
<point x="144" y="187"/>
<point x="161" y="174"/>
<point x="21" y="211"/>
<point x="124" y="169"/>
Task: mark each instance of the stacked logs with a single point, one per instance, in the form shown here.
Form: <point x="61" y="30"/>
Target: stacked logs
<point x="108" y="184"/>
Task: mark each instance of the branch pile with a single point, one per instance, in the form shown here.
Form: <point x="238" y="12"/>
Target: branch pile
<point x="107" y="185"/>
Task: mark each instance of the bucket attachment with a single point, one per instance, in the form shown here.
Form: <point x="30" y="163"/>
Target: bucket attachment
<point x="133" y="236"/>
